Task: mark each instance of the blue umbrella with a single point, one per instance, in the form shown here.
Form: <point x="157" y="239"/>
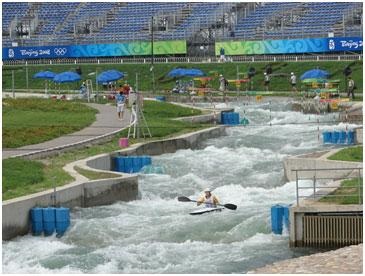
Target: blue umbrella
<point x="67" y="77"/>
<point x="181" y="72"/>
<point x="315" y="74"/>
<point x="45" y="75"/>
<point x="48" y="75"/>
<point x="110" y="75"/>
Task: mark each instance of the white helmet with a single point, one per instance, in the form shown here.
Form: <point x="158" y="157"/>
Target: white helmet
<point x="207" y="190"/>
<point x="292" y="73"/>
<point x="265" y="73"/>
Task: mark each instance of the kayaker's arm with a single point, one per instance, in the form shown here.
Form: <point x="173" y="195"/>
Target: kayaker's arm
<point x="200" y="200"/>
<point x="215" y="200"/>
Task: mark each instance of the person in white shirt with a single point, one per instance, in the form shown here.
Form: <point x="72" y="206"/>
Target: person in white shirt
<point x="293" y="82"/>
<point x="351" y="87"/>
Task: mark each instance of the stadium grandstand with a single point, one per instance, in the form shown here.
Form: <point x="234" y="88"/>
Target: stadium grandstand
<point x="199" y="25"/>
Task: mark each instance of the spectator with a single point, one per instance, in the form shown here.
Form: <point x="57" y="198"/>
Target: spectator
<point x="268" y="69"/>
<point x="293" y="82"/>
<point x="351" y="87"/>
<point x="222" y="83"/>
<point x="120" y="100"/>
<point x="126" y="88"/>
<point x="83" y="89"/>
<point x="251" y="73"/>
<point x="266" y="81"/>
<point x="222" y="57"/>
<point x="347" y="71"/>
<point x="78" y="70"/>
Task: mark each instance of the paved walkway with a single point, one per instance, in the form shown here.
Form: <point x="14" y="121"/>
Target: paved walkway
<point x="346" y="260"/>
<point x="106" y="123"/>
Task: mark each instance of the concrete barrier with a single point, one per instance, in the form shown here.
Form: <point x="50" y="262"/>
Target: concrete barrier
<point x="186" y="141"/>
<point x="305" y="161"/>
<point x="15" y="212"/>
<point x="85" y="193"/>
<point x="296" y="238"/>
<point x="358" y="135"/>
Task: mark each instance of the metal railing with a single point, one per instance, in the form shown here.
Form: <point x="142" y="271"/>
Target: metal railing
<point x="321" y="177"/>
<point x="186" y="59"/>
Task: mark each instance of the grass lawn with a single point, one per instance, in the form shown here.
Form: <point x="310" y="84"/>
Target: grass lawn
<point x="162" y="82"/>
<point x="161" y="126"/>
<point x="21" y="177"/>
<point x="347" y="193"/>
<point x="32" y="121"/>
<point x="353" y="154"/>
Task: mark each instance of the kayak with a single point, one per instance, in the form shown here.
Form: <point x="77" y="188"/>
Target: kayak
<point x="206" y="210"/>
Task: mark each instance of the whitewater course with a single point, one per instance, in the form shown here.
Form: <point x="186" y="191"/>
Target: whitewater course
<point x="156" y="234"/>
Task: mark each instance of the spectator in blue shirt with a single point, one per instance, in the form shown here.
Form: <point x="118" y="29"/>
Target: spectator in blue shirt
<point x="120" y="99"/>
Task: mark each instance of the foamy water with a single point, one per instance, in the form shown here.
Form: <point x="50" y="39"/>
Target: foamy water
<point x="156" y="234"/>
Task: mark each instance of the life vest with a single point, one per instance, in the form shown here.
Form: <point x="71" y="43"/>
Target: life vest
<point x="209" y="203"/>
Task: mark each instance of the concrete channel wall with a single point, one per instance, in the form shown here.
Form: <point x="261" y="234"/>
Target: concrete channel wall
<point x="84" y="193"/>
<point x="302" y="162"/>
<point x="324" y="228"/>
<point x="319" y="160"/>
<point x="186" y="141"/>
<point x="311" y="209"/>
<point x="15" y="212"/>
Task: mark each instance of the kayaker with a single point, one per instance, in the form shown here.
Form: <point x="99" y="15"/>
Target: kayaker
<point x="208" y="198"/>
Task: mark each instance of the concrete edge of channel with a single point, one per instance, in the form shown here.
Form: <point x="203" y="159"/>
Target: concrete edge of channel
<point x="85" y="193"/>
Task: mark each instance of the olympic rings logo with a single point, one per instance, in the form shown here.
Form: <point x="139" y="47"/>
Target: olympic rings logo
<point x="60" y="51"/>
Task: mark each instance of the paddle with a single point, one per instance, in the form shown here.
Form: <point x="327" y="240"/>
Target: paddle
<point x="186" y="199"/>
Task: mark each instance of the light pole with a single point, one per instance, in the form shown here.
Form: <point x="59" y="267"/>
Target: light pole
<point x="152" y="56"/>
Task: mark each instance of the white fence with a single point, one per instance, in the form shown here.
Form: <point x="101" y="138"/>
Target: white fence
<point x="258" y="58"/>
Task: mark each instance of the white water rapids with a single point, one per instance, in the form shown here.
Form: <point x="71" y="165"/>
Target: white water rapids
<point x="156" y="234"/>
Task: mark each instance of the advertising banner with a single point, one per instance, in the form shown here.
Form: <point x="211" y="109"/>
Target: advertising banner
<point x="170" y="47"/>
<point x="289" y="46"/>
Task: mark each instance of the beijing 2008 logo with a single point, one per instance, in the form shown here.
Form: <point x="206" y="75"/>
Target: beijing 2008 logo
<point x="60" y="51"/>
<point x="331" y="44"/>
<point x="11" y="53"/>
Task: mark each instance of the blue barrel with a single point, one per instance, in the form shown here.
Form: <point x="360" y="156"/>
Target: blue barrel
<point x="36" y="218"/>
<point x="342" y="137"/>
<point x="351" y="137"/>
<point x="227" y="118"/>
<point x="327" y="137"/>
<point x="128" y="164"/>
<point x="231" y="118"/>
<point x="277" y="213"/>
<point x="62" y="220"/>
<point x="235" y="118"/>
<point x="119" y="164"/>
<point x="146" y="160"/>
<point x="286" y="216"/>
<point x="335" y="137"/>
<point x="137" y="163"/>
<point x="49" y="220"/>
<point x="223" y="118"/>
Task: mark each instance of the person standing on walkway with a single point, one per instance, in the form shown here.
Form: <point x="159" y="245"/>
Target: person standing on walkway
<point x="222" y="57"/>
<point x="222" y="83"/>
<point x="266" y="81"/>
<point x="120" y="99"/>
<point x="351" y="87"/>
<point x="293" y="82"/>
